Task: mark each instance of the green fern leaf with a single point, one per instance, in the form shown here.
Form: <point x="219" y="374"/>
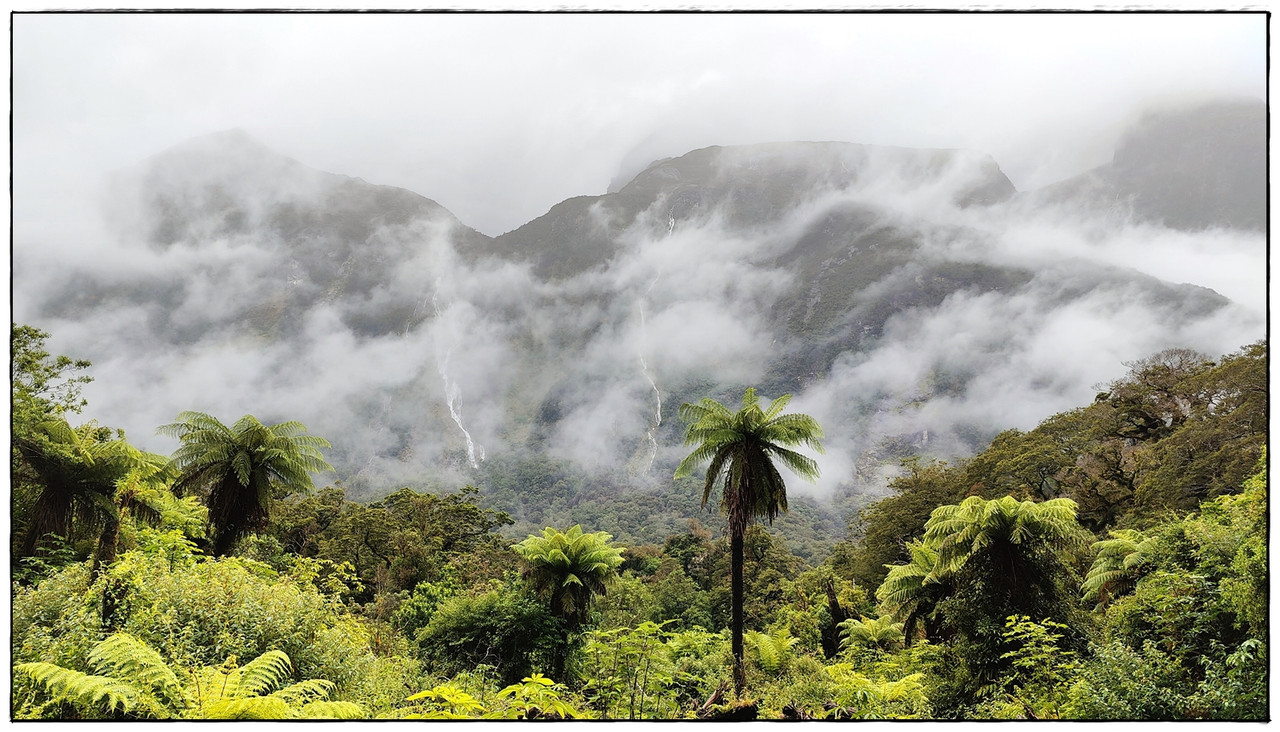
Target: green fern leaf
<point x="264" y="673"/>
<point x="123" y="656"/>
<point x="79" y="689"/>
<point x="333" y="710"/>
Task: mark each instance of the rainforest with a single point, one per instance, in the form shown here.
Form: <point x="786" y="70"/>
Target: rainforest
<point x="1110" y="563"/>
<point x="782" y="366"/>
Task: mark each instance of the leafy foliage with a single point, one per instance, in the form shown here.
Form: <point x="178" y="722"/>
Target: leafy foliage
<point x="500" y="628"/>
<point x="134" y="680"/>
<point x="570" y="568"/>
<point x="239" y="470"/>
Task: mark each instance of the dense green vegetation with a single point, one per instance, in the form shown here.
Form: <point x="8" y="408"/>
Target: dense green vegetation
<point x="1108" y="564"/>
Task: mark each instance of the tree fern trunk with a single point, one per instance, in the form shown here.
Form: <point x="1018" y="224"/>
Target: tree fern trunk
<point x="735" y="619"/>
<point x="831" y="634"/>
<point x="106" y="555"/>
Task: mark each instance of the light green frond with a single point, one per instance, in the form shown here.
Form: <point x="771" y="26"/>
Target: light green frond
<point x="80" y="689"/>
<point x="255" y="707"/>
<point x="264" y="673"/>
<point x="332" y="710"/>
<point x="1118" y="565"/>
<point x="776" y="407"/>
<point x="305" y="692"/>
<point x="123" y="656"/>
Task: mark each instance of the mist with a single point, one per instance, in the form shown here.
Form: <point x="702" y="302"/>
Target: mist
<point x="232" y="276"/>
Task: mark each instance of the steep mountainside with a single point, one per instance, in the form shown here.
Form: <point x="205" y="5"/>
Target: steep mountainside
<point x="912" y="300"/>
<point x="321" y="237"/>
<point x="1190" y="169"/>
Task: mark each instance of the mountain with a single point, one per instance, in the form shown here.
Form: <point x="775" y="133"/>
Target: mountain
<point x="1188" y="168"/>
<point x="912" y="300"/>
<point x="325" y="237"/>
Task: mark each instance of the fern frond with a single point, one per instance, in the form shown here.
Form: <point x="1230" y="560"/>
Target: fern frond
<point x="80" y="689"/>
<point x="264" y="673"/>
<point x="332" y="710"/>
<point x="305" y="692"/>
<point x="254" y="707"/>
<point x="126" y="657"/>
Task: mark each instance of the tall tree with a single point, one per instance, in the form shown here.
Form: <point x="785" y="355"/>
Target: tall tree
<point x="741" y="447"/>
<point x="239" y="470"/>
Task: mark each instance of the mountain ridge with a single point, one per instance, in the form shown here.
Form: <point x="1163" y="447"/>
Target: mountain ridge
<point x="906" y="297"/>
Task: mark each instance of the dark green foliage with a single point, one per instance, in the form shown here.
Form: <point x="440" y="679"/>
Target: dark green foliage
<point x="75" y="473"/>
<point x="1123" y="684"/>
<point x="1200" y="426"/>
<point x="679" y="599"/>
<point x="503" y="628"/>
<point x="398" y="542"/>
<point x="415" y="611"/>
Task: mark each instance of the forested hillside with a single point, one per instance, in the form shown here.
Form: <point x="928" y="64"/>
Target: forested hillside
<point x="1108" y="564"/>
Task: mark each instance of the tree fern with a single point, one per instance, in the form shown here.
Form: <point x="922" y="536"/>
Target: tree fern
<point x="77" y="469"/>
<point x="1120" y="562"/>
<point x="570" y="568"/>
<point x="239" y="470"/>
<point x="740" y="449"/>
<point x="882" y="633"/>
<point x="961" y="531"/>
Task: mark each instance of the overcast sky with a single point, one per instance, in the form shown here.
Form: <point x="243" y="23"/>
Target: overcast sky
<point x="499" y="117"/>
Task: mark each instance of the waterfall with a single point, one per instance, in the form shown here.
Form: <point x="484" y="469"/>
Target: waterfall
<point x="656" y="421"/>
<point x="453" y="392"/>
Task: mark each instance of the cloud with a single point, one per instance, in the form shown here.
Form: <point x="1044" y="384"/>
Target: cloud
<point x="478" y="113"/>
<point x="489" y="114"/>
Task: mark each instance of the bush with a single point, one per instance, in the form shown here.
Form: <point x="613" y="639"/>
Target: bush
<point x="502" y="628"/>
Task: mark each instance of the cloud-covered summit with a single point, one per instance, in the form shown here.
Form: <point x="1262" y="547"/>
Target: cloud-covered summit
<point x="912" y="300"/>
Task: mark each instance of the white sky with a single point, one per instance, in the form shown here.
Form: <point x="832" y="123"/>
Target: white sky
<point x="500" y="116"/>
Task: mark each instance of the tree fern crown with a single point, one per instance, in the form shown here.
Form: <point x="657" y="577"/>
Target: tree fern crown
<point x="239" y="470"/>
<point x="741" y="448"/>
